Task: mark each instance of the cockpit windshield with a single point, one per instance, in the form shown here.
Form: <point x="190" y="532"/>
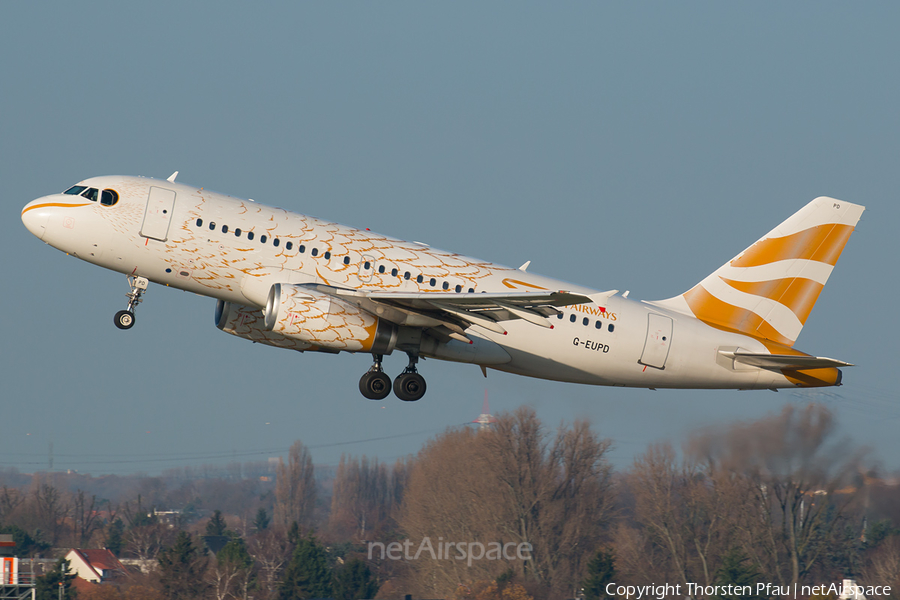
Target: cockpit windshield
<point x="108" y="198"/>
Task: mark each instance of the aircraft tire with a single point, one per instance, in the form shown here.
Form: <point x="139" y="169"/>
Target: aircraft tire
<point x="409" y="387"/>
<point x="375" y="385"/>
<point x="124" y="319"/>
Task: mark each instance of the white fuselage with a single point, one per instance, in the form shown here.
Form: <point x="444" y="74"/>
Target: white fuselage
<point x="199" y="241"/>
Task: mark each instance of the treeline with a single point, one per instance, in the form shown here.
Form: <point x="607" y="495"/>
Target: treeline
<point x="779" y="500"/>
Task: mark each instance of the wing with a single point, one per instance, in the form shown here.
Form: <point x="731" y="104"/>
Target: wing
<point x="785" y="361"/>
<point x="451" y="314"/>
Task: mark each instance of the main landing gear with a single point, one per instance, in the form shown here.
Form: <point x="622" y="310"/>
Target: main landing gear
<point x="409" y="386"/>
<point x="124" y="319"/>
<point x="375" y="384"/>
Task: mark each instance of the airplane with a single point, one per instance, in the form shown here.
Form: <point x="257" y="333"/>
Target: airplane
<point x="297" y="282"/>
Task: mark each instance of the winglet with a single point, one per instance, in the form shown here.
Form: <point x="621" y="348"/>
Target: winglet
<point x="524" y="267"/>
<point x="171" y="178"/>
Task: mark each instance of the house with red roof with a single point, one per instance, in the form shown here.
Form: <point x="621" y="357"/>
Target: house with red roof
<point x="96" y="566"/>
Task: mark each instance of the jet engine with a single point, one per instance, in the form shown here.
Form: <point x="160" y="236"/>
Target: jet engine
<point x="326" y="322"/>
<point x="247" y="322"/>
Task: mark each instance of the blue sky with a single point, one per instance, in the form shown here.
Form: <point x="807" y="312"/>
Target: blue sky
<point x="616" y="145"/>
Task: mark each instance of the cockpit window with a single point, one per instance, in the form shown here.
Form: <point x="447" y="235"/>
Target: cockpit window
<point x="91" y="194"/>
<point x="109" y="197"/>
<point x="75" y="190"/>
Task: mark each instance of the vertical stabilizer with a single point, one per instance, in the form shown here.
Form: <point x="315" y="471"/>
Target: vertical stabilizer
<point x="769" y="289"/>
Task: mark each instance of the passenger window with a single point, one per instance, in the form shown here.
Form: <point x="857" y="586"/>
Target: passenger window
<point x="406" y="275"/>
<point x="302" y="248"/>
<point x="249" y="235"/>
<point x="585" y="321"/>
<point x="109" y="197"/>
<point x="237" y="232"/>
<point x="75" y="190"/>
<point x="262" y="239"/>
<point x="366" y="265"/>
<point x="572" y="317"/>
<point x="381" y="268"/>
<point x="598" y="325"/>
<point x="559" y="315"/>
<point x="458" y="289"/>
<point x="471" y="290"/>
<point x="433" y="282"/>
<point x="315" y="252"/>
<point x="393" y="272"/>
<point x="90" y="194"/>
<point x="276" y="242"/>
<point x="611" y="327"/>
<point x="289" y="245"/>
<point x="199" y="222"/>
<point x="327" y="255"/>
<point x="420" y="279"/>
<point x="212" y="225"/>
<point x="346" y="260"/>
<point x="224" y="228"/>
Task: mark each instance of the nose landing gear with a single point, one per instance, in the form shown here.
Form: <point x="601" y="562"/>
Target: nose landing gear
<point x="124" y="319"/>
<point x="374" y="384"/>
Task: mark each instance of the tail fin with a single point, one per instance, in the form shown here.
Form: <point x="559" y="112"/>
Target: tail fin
<point x="769" y="289"/>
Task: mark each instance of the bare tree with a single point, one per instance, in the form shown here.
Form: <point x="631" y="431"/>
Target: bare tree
<point x="798" y="484"/>
<point x="558" y="493"/>
<point x="85" y="518"/>
<point x="450" y="496"/>
<point x="50" y="509"/>
<point x="681" y="507"/>
<point x="271" y="551"/>
<point x="295" y="488"/>
<point x="231" y="575"/>
<point x="145" y="541"/>
<point x="10" y="500"/>
<point x="513" y="484"/>
<point x="883" y="567"/>
<point x="363" y="497"/>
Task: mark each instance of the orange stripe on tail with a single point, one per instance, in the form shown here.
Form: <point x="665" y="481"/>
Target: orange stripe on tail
<point x="796" y="293"/>
<point x="823" y="243"/>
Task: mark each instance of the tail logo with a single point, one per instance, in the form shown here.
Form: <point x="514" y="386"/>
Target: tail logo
<point x="769" y="289"/>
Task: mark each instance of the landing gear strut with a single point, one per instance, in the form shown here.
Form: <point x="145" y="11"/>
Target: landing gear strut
<point x="124" y="319"/>
<point x="374" y="384"/>
<point x="409" y="386"/>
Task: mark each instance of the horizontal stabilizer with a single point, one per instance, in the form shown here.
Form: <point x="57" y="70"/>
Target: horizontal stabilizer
<point x="784" y="361"/>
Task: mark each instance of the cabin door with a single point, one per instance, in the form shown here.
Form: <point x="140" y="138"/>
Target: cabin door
<point x="158" y="214"/>
<point x="656" y="346"/>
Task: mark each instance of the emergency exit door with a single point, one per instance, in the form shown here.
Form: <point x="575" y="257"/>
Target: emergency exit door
<point x="158" y="214"/>
<point x="656" y="346"/>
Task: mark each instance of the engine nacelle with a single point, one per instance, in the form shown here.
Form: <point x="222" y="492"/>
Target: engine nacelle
<point x="326" y="322"/>
<point x="247" y="322"/>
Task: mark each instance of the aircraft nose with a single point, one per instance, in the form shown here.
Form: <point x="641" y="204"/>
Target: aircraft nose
<point x="35" y="215"/>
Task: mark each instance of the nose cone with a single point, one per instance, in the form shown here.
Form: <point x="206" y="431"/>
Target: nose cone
<point x="35" y="215"/>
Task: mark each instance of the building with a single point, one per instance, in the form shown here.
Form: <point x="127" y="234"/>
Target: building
<point x="95" y="566"/>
